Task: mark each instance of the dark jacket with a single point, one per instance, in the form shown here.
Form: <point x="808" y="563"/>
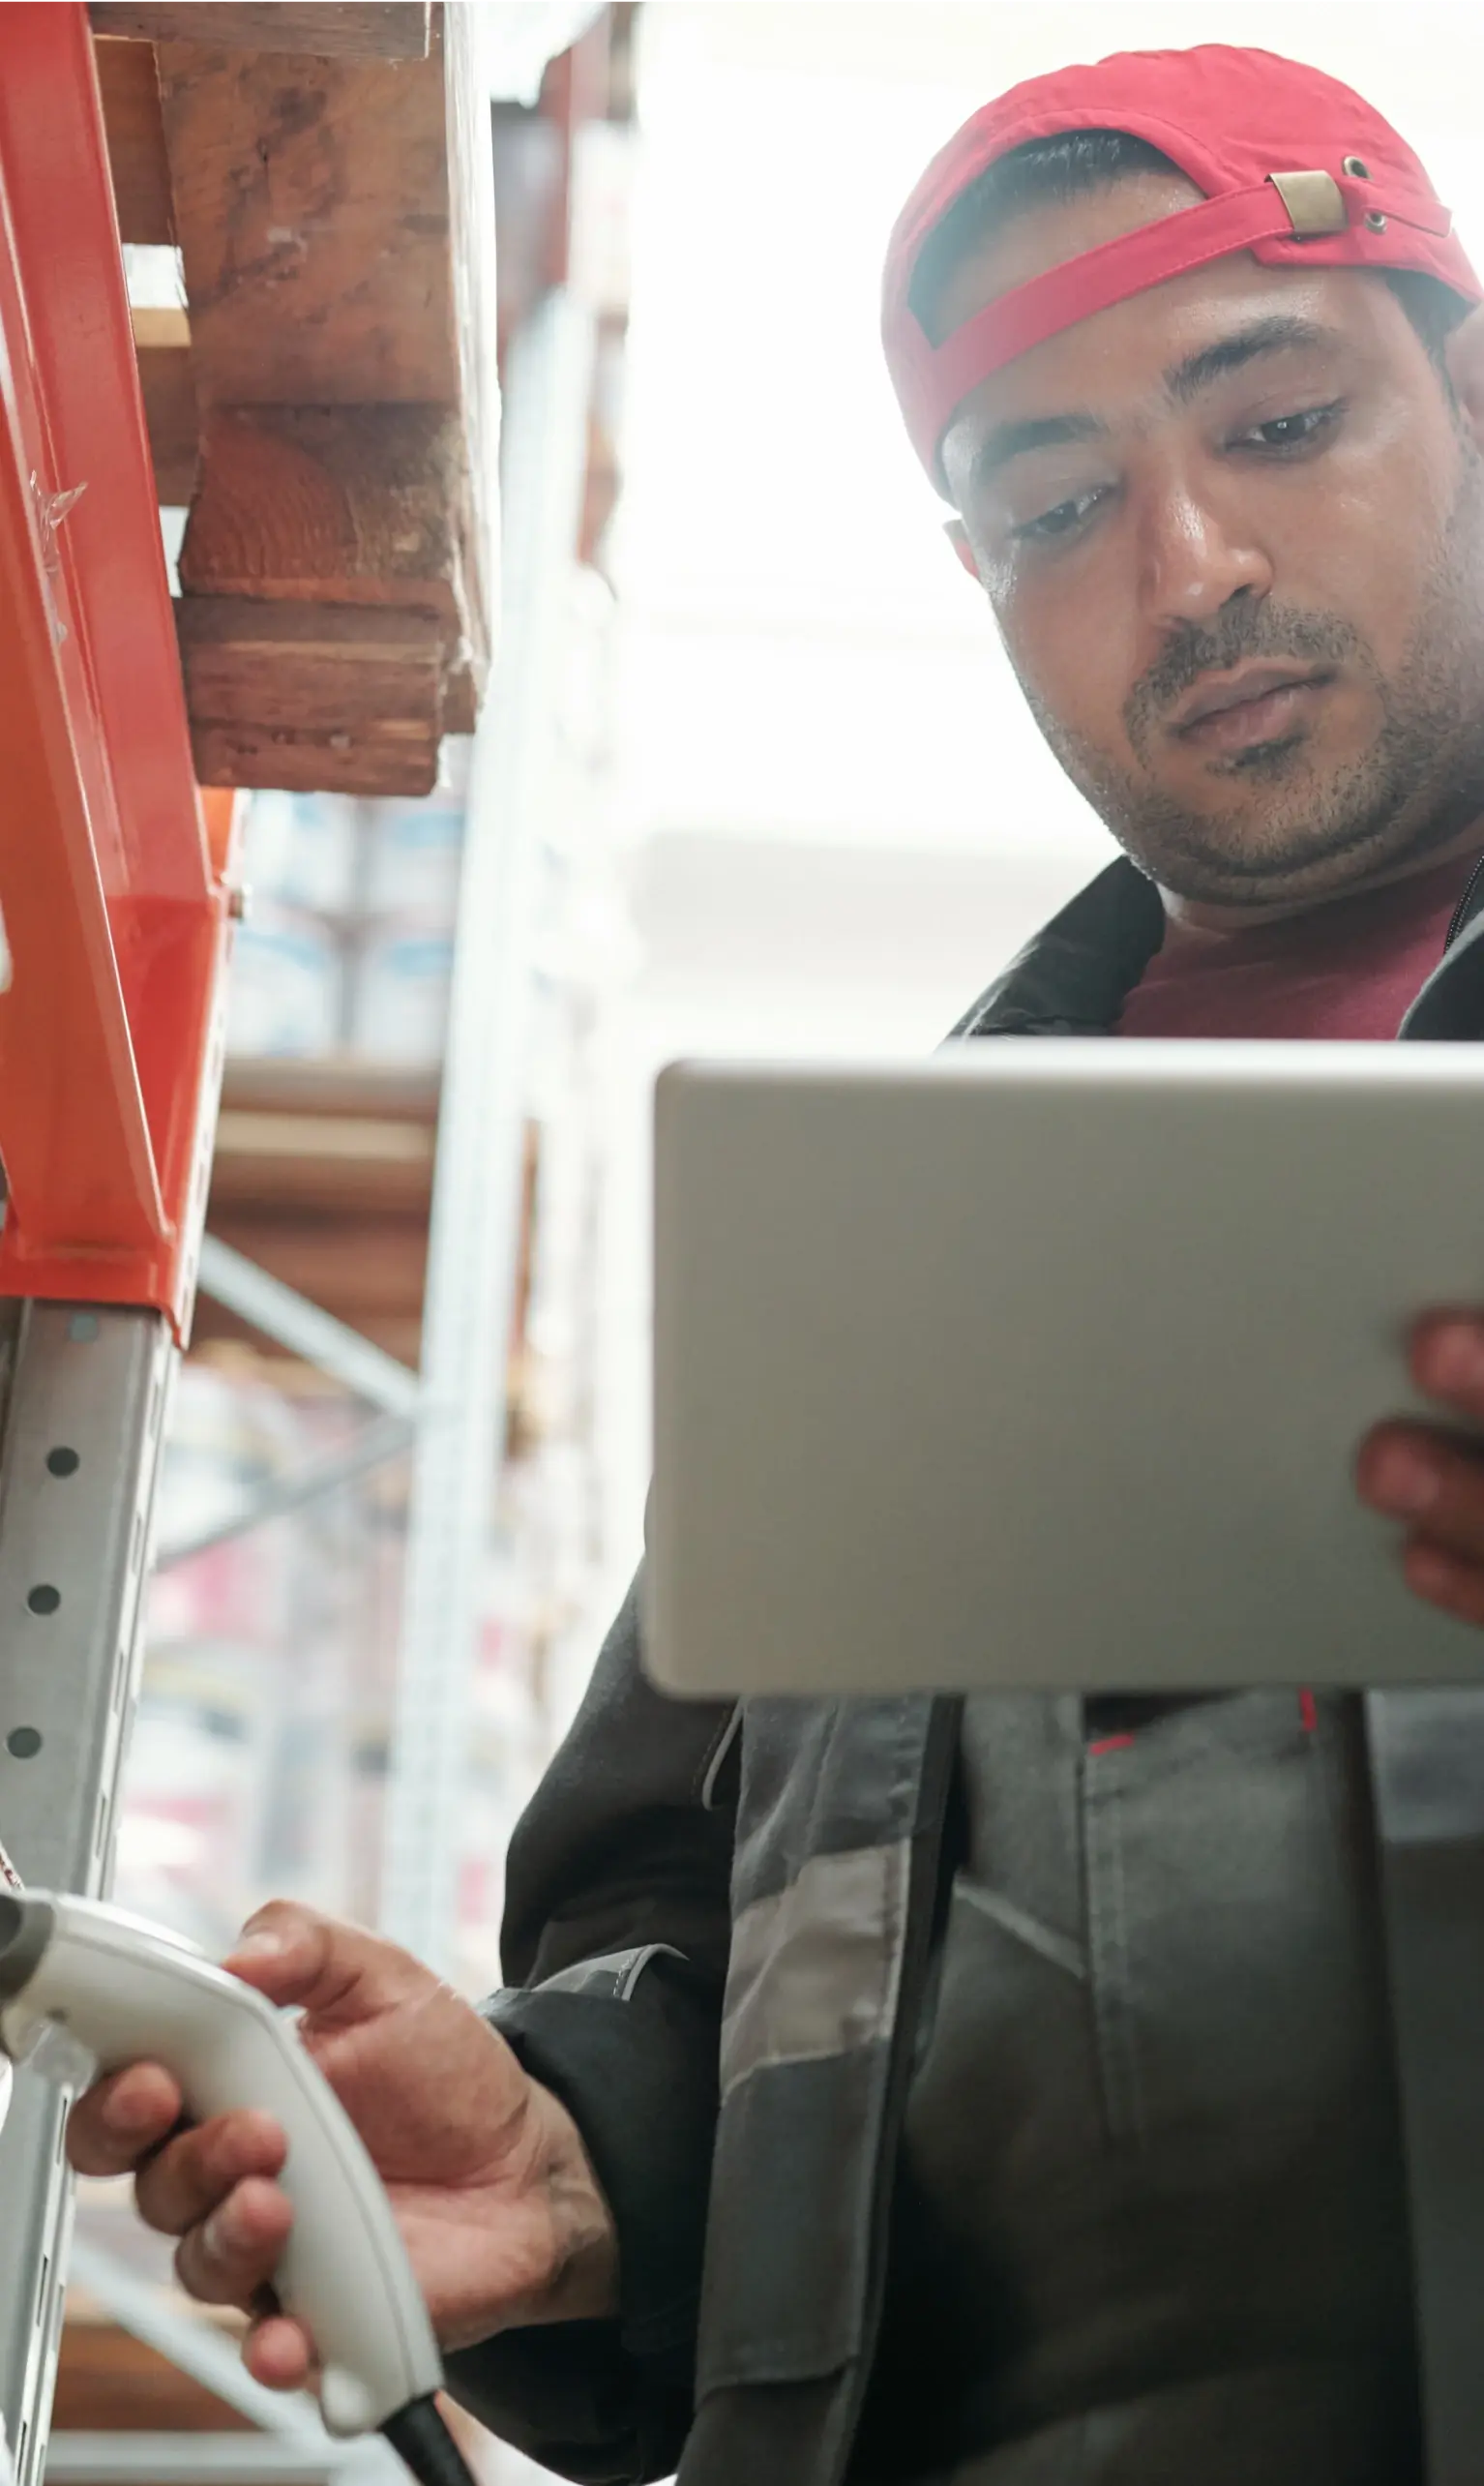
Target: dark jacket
<point x="720" y="1936"/>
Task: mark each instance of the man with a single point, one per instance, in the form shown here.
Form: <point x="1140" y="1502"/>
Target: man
<point x="1058" y="2134"/>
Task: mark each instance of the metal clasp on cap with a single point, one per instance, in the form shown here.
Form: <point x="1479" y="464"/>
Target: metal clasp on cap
<point x="1314" y="201"/>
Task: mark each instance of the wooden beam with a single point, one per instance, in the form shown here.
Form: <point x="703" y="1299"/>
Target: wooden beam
<point x="368" y="1271"/>
<point x="169" y="390"/>
<point x="128" y="84"/>
<point x="311" y="204"/>
<point x="158" y="329"/>
<point x="324" y="268"/>
<point x="318" y="697"/>
<point x="383" y="29"/>
<point x="308" y="668"/>
<point x="319" y="1163"/>
<point x="347" y="1088"/>
<point x="109" y="2381"/>
<point x="462" y="691"/>
<point x="356" y="504"/>
<point x="395" y="758"/>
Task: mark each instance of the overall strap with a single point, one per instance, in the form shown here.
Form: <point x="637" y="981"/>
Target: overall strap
<point x="1427" y="1761"/>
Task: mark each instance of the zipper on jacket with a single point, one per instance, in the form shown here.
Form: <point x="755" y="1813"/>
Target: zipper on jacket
<point x="1456" y="925"/>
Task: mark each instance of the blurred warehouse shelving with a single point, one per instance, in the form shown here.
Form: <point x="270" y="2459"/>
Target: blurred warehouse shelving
<point x="270" y="1749"/>
<point x="272" y="1658"/>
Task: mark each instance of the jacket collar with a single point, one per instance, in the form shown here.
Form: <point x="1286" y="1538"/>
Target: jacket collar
<point x="1449" y="1010"/>
<point x="1074" y="977"/>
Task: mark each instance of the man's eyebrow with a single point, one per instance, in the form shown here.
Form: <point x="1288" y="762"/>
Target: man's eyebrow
<point x="1281" y="332"/>
<point x="1009" y="440"/>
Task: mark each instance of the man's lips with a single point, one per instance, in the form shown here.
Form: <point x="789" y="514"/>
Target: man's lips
<point x="1253" y="703"/>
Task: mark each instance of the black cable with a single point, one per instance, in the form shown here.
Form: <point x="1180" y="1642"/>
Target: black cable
<point x="422" y="2441"/>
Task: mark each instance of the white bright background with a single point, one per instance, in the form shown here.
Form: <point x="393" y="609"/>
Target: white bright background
<point x="837" y="820"/>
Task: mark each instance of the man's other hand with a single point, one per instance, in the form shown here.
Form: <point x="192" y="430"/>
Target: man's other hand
<point x="1431" y="1477"/>
<point x="495" y="2195"/>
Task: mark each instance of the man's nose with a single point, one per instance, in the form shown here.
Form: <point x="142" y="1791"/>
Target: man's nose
<point x="1196" y="557"/>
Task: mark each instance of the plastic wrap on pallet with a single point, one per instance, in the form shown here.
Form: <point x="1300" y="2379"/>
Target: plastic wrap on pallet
<point x="398" y="1011"/>
<point x="414" y="851"/>
<point x="289" y="986"/>
<point x="302" y="850"/>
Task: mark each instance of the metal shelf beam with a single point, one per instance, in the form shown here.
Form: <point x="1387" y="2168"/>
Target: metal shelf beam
<point x="193" y="2347"/>
<point x="230" y="1278"/>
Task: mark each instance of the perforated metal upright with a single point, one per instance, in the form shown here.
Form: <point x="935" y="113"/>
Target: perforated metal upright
<point x="113" y="932"/>
<point x="86" y="1402"/>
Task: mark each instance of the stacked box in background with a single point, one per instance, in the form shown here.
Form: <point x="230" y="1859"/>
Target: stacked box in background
<point x="346" y="950"/>
<point x="404" y="957"/>
<point x="291" y="966"/>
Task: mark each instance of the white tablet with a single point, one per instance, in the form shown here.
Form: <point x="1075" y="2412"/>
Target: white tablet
<point x="1042" y="1365"/>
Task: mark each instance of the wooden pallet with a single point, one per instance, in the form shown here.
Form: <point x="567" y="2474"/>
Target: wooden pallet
<point x="320" y="403"/>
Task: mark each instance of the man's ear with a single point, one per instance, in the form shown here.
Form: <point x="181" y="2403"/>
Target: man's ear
<point x="957" y="536"/>
<point x="1464" y="352"/>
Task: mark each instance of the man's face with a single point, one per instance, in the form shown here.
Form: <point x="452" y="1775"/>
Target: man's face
<point x="1244" y="486"/>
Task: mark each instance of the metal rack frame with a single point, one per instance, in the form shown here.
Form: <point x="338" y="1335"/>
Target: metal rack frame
<point x="84" y="1423"/>
<point x="115" y="921"/>
<point x="112" y="873"/>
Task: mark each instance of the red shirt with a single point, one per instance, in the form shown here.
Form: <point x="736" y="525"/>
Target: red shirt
<point x="1350" y="969"/>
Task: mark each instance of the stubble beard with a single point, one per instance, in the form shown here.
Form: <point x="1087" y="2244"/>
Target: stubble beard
<point x="1300" y="832"/>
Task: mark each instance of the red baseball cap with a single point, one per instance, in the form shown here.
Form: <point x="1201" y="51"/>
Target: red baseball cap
<point x="1295" y="169"/>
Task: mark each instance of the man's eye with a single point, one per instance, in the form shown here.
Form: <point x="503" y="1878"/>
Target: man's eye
<point x="1062" y="519"/>
<point x="1291" y="430"/>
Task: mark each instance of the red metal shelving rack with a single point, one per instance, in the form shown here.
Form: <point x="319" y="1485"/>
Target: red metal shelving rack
<point x="116" y="919"/>
<point x="111" y="878"/>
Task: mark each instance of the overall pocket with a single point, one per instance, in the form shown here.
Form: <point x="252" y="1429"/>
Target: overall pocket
<point x="1229" y="1904"/>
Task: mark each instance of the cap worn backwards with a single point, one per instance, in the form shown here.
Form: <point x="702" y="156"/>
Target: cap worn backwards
<point x="1294" y="167"/>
